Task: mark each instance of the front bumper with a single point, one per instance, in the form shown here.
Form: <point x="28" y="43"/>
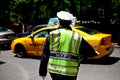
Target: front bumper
<point x="5" y="42"/>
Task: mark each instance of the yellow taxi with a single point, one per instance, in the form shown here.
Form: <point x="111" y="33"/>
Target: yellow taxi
<point x="33" y="43"/>
<point x="101" y="42"/>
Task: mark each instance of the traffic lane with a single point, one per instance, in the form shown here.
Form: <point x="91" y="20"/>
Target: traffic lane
<point x="12" y="71"/>
<point x="103" y="69"/>
<point x="14" y="68"/>
<point x="93" y="70"/>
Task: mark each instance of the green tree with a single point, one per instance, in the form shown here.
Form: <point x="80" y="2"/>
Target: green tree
<point x="4" y="12"/>
<point x="39" y="11"/>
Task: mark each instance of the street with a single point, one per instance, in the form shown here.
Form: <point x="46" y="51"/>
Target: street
<point x="14" y="68"/>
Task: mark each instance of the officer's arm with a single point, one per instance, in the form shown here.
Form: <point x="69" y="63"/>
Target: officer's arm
<point x="86" y="49"/>
<point x="44" y="58"/>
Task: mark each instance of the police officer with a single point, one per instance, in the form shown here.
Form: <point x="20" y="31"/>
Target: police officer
<point x="63" y="51"/>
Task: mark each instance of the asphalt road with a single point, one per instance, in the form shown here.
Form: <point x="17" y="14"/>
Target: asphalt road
<point x="13" y="68"/>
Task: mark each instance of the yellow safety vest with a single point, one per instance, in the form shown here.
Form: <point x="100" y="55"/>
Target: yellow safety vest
<point x="64" y="50"/>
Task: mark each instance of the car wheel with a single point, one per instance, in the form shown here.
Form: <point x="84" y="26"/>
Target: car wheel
<point x="20" y="51"/>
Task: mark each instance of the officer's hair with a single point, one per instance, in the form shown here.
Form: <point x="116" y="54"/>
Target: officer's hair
<point x="65" y="23"/>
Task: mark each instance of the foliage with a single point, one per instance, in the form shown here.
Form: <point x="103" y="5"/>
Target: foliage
<point x="39" y="11"/>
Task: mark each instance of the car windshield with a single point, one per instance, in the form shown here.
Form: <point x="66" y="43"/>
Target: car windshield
<point x="3" y="29"/>
<point x="37" y="27"/>
<point x="89" y="31"/>
<point x="41" y="34"/>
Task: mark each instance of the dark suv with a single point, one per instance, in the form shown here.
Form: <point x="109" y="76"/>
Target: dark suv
<point x="33" y="29"/>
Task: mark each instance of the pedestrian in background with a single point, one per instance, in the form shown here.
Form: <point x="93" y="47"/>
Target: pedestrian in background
<point x="64" y="50"/>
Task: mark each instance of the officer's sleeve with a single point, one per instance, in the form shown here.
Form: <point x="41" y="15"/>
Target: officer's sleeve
<point x="86" y="49"/>
<point x="44" y="58"/>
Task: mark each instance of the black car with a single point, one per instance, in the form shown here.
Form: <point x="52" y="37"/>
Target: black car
<point x="32" y="30"/>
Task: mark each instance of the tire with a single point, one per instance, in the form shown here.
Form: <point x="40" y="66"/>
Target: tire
<point x="20" y="51"/>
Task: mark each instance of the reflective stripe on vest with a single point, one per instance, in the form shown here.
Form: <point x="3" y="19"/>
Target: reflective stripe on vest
<point x="64" y="55"/>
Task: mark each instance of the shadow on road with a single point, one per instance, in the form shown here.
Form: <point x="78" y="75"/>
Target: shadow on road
<point x="30" y="57"/>
<point x="103" y="61"/>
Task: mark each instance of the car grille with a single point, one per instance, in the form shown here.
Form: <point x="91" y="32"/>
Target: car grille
<point x="10" y="36"/>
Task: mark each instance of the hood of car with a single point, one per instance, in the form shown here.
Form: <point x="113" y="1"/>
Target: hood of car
<point x="8" y="32"/>
<point x="21" y="39"/>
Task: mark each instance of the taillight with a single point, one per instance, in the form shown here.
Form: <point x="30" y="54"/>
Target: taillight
<point x="102" y="42"/>
<point x="105" y="40"/>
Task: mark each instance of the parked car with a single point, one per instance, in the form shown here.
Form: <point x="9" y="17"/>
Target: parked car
<point x="33" y="43"/>
<point x="32" y="30"/>
<point x="6" y="36"/>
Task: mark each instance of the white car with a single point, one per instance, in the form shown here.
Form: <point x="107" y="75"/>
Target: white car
<point x="6" y="36"/>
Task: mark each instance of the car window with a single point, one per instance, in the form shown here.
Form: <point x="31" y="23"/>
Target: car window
<point x="3" y="29"/>
<point x="89" y="31"/>
<point x="37" y="27"/>
<point x="33" y="30"/>
<point x="41" y="34"/>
